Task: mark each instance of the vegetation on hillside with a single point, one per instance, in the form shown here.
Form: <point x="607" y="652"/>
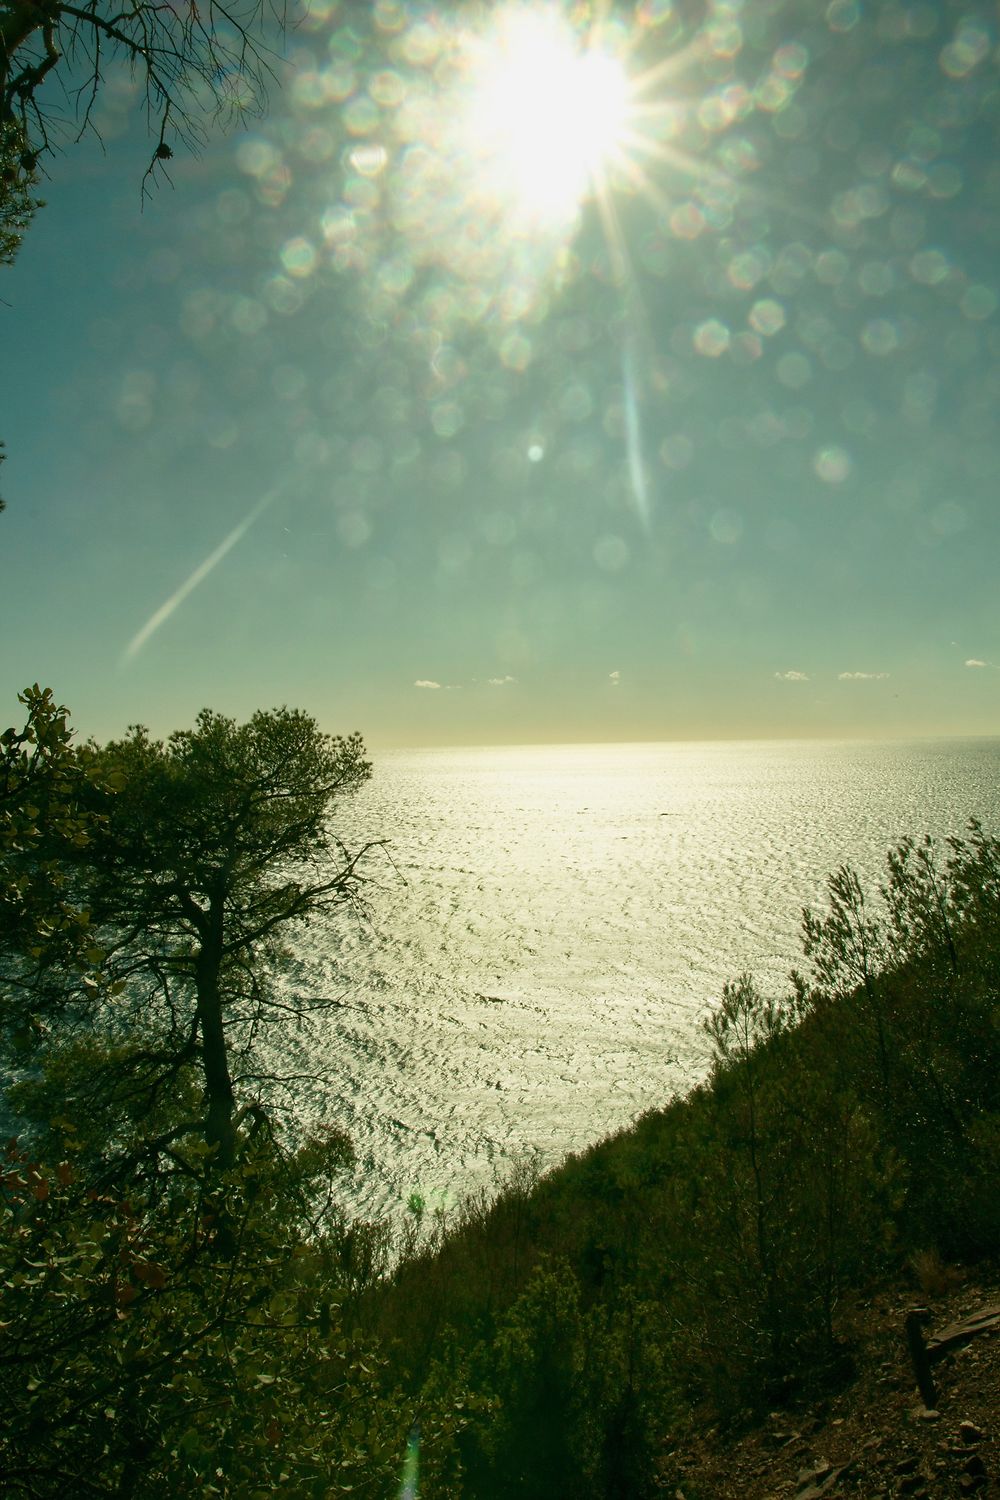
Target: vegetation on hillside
<point x="699" y="1260"/>
<point x="186" y="1308"/>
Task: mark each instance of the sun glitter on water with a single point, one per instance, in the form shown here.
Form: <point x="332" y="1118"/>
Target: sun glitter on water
<point x="546" y="114"/>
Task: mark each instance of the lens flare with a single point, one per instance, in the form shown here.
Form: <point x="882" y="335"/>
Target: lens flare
<point x="409" y="1487"/>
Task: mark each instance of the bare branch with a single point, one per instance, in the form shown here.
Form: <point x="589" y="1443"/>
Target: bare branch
<point x="192" y="67"/>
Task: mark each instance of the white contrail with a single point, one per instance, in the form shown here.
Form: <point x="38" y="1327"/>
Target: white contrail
<point x="201" y="572"/>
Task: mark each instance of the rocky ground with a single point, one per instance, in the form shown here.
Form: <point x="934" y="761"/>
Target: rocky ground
<point x="876" y="1439"/>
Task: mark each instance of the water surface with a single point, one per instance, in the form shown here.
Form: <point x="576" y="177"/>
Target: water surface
<point x="556" y="919"/>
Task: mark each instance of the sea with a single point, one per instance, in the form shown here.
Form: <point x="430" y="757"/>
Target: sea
<point x="546" y="926"/>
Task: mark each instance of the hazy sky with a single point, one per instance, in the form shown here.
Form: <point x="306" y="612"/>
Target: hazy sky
<point x="371" y="415"/>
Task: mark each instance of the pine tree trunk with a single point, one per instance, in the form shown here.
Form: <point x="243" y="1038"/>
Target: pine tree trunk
<point x="219" y="1129"/>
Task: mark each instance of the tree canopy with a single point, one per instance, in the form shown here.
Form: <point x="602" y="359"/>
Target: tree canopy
<point x="42" y="827"/>
<point x="17" y="177"/>
<point x="201" y="853"/>
<point x="172" y="1281"/>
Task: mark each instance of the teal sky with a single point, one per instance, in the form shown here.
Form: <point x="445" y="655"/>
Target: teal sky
<point x="342" y="421"/>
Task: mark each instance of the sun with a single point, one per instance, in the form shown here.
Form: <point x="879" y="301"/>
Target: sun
<point x="546" y="114"/>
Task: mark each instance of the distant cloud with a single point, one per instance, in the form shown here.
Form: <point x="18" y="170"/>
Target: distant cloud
<point x="862" y="676"/>
<point x="424" y="683"/>
<point x="792" y="676"/>
<point x="974" y="662"/>
<point x="500" y="681"/>
<point x="615" y="678"/>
